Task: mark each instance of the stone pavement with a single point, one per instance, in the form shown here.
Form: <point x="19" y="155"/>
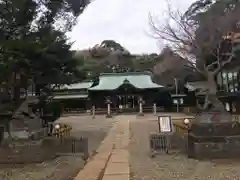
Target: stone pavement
<point x="112" y="159"/>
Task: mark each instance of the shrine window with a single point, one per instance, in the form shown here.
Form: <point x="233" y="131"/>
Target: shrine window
<point x="179" y="101"/>
<point x="230" y="76"/>
<point x="230" y="81"/>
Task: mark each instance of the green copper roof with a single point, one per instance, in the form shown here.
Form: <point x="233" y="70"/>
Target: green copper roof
<point x="71" y="96"/>
<point x="112" y="81"/>
<point x="82" y="85"/>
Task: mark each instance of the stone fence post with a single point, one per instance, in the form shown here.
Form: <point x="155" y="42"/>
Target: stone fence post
<point x="154" y="109"/>
<point x="93" y="112"/>
<point x="141" y="106"/>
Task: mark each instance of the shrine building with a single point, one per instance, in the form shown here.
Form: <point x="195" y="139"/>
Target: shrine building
<point x="119" y="92"/>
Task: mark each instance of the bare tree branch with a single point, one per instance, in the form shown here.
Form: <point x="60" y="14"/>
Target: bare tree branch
<point x="199" y="40"/>
<point x="205" y="41"/>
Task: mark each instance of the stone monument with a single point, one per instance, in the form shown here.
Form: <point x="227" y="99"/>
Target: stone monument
<point x="213" y="133"/>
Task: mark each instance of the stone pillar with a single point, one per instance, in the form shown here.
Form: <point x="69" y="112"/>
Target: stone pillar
<point x="154" y="109"/>
<point x="108" y="108"/>
<point x="140" y="106"/>
<point x="93" y="112"/>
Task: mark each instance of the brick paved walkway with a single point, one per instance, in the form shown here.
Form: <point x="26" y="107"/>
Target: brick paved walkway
<point x="112" y="159"/>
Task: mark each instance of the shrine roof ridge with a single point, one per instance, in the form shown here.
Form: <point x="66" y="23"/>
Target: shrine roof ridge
<point x="127" y="73"/>
<point x="112" y="81"/>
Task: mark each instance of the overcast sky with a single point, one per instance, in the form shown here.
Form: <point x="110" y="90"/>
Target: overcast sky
<point x="125" y="21"/>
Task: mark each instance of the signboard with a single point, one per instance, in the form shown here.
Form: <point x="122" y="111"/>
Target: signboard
<point x="165" y="124"/>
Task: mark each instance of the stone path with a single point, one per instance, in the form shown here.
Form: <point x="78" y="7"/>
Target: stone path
<point x="111" y="161"/>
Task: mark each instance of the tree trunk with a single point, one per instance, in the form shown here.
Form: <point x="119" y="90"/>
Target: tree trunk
<point x="216" y="104"/>
<point x="9" y="130"/>
<point x="212" y="105"/>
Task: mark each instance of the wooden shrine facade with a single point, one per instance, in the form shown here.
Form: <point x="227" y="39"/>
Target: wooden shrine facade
<point x="73" y="97"/>
<point x="128" y="92"/>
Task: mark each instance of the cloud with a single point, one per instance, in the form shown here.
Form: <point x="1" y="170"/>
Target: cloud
<point x="125" y="21"/>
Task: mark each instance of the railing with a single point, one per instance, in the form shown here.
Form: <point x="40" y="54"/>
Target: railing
<point x="67" y="144"/>
<point x="180" y="129"/>
<point x="74" y="110"/>
<point x="146" y="109"/>
<point x="61" y="130"/>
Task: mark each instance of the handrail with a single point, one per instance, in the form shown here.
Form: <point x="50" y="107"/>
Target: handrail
<point x="180" y="128"/>
<point x="62" y="131"/>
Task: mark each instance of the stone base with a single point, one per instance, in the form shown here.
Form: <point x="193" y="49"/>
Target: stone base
<point x="179" y="142"/>
<point x="216" y="129"/>
<point x="140" y="114"/>
<point x="108" y="116"/>
<point x="230" y="148"/>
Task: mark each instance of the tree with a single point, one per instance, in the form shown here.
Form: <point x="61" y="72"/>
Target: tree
<point x="34" y="47"/>
<point x="145" y="62"/>
<point x="107" y="57"/>
<point x="198" y="7"/>
<point x="205" y="39"/>
<point x="169" y="66"/>
<point x="33" y="42"/>
<point x="112" y="45"/>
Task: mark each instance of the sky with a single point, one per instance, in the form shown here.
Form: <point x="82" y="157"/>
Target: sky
<point x="124" y="21"/>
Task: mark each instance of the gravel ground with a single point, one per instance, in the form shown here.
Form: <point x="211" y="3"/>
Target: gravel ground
<point x="63" y="168"/>
<point x="174" y="166"/>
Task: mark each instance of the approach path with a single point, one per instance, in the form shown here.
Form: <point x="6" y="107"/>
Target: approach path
<point x="111" y="161"/>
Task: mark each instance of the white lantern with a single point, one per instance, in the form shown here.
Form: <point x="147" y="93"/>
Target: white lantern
<point x="186" y="121"/>
<point x="57" y="126"/>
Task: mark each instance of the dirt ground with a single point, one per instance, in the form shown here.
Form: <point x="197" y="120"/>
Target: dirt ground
<point x="142" y="166"/>
<point x="174" y="166"/>
<point x="63" y="168"/>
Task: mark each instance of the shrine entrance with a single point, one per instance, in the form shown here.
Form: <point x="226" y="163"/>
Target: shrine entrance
<point x="127" y="101"/>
